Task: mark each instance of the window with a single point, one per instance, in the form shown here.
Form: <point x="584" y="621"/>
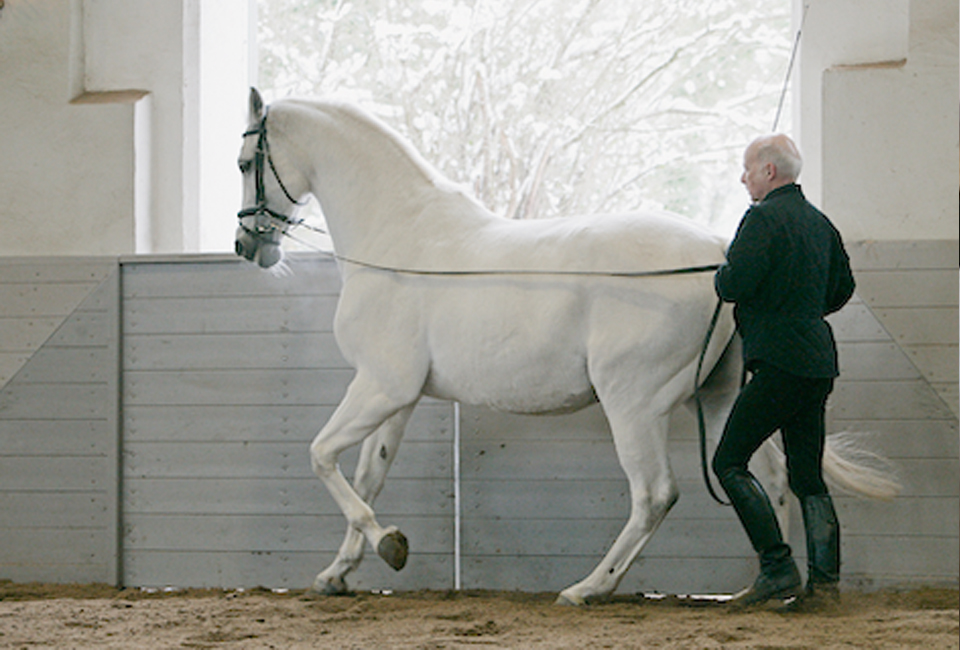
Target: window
<point x="551" y="107"/>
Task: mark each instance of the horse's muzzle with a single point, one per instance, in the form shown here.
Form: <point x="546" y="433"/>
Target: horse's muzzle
<point x="268" y="255"/>
<point x="255" y="249"/>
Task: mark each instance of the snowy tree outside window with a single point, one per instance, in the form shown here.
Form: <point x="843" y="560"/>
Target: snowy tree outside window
<point x="551" y="107"/>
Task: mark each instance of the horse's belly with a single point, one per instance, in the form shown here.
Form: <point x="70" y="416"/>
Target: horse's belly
<point x="537" y="388"/>
<point x="532" y="361"/>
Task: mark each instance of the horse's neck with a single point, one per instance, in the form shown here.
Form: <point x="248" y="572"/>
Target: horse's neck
<point x="377" y="194"/>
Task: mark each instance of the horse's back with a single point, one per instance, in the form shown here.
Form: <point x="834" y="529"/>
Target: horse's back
<point x="618" y="243"/>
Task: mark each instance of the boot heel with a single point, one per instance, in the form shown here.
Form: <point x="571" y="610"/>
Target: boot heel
<point x="776" y="583"/>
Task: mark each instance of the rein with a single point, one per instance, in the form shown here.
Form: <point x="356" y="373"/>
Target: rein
<point x="701" y="421"/>
<point x="684" y="270"/>
<point x="522" y="272"/>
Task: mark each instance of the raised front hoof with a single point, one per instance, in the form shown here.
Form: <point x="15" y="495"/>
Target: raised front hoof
<point x="323" y="587"/>
<point x="393" y="548"/>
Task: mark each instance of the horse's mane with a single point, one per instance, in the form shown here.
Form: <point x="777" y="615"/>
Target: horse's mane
<point x="381" y="130"/>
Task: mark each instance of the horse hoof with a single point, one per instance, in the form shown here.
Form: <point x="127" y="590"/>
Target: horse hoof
<point x="323" y="587"/>
<point x="569" y="601"/>
<point x="393" y="548"/>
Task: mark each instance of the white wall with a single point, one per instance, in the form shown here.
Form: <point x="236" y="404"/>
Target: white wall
<point x="141" y="45"/>
<point x="66" y="171"/>
<point x="877" y="116"/>
<point x="105" y="107"/>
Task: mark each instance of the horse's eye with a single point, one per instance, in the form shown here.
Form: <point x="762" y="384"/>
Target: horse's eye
<point x="244" y="166"/>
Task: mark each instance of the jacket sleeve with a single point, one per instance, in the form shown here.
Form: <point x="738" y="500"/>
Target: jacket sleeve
<point x="842" y="283"/>
<point x="748" y="259"/>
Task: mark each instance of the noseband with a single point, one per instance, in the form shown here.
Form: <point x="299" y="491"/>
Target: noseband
<point x="262" y="153"/>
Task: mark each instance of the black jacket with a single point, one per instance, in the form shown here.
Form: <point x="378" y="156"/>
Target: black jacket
<point x="786" y="269"/>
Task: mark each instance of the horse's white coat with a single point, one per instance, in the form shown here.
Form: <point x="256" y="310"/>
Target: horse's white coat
<point x="529" y="344"/>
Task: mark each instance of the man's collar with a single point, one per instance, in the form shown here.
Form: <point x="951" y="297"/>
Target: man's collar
<point x="783" y="189"/>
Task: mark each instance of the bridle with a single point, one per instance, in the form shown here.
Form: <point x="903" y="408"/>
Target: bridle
<point x="264" y="218"/>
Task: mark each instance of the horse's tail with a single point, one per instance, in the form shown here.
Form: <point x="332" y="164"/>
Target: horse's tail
<point x="850" y="466"/>
<point x="854" y="468"/>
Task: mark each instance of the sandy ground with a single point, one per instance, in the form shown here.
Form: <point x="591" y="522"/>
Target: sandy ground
<point x="34" y="616"/>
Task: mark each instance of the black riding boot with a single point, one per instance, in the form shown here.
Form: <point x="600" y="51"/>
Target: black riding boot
<point x="823" y="555"/>
<point x="779" y="578"/>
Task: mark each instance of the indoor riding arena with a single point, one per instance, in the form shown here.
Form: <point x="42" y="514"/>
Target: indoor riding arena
<point x="159" y="394"/>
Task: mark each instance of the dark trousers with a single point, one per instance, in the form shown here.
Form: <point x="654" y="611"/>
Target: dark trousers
<point x="774" y="399"/>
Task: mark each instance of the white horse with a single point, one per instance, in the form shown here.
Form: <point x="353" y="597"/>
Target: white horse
<point x="564" y="327"/>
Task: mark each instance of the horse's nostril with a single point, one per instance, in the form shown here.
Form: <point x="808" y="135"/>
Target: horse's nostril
<point x="245" y="246"/>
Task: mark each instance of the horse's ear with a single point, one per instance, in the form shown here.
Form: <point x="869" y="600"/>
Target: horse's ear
<point x="256" y="106"/>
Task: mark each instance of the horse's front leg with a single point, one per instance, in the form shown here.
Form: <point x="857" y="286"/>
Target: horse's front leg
<point x="376" y="456"/>
<point x="363" y="410"/>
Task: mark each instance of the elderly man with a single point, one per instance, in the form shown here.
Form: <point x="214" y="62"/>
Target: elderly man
<point x="786" y="269"/>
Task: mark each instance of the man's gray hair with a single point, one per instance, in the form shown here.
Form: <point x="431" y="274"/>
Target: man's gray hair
<point x="783" y="153"/>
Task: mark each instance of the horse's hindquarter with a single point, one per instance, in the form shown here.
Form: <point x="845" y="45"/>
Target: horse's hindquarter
<point x="536" y="343"/>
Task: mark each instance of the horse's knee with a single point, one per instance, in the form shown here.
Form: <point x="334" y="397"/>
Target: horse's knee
<point x="323" y="459"/>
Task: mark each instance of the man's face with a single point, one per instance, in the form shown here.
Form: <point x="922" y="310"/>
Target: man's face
<point x="757" y="176"/>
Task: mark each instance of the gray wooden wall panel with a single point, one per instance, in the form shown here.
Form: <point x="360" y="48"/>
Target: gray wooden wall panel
<point x="911" y="288"/>
<point x="898" y="355"/>
<point x="36" y="296"/>
<point x="229" y="373"/>
<point x="59" y="337"/>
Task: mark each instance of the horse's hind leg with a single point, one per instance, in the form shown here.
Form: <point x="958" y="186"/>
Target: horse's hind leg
<point x="641" y="443"/>
<point x="376" y="456"/>
<point x="363" y="410"/>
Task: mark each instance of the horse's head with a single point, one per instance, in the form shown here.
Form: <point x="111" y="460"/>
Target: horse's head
<point x="268" y="204"/>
